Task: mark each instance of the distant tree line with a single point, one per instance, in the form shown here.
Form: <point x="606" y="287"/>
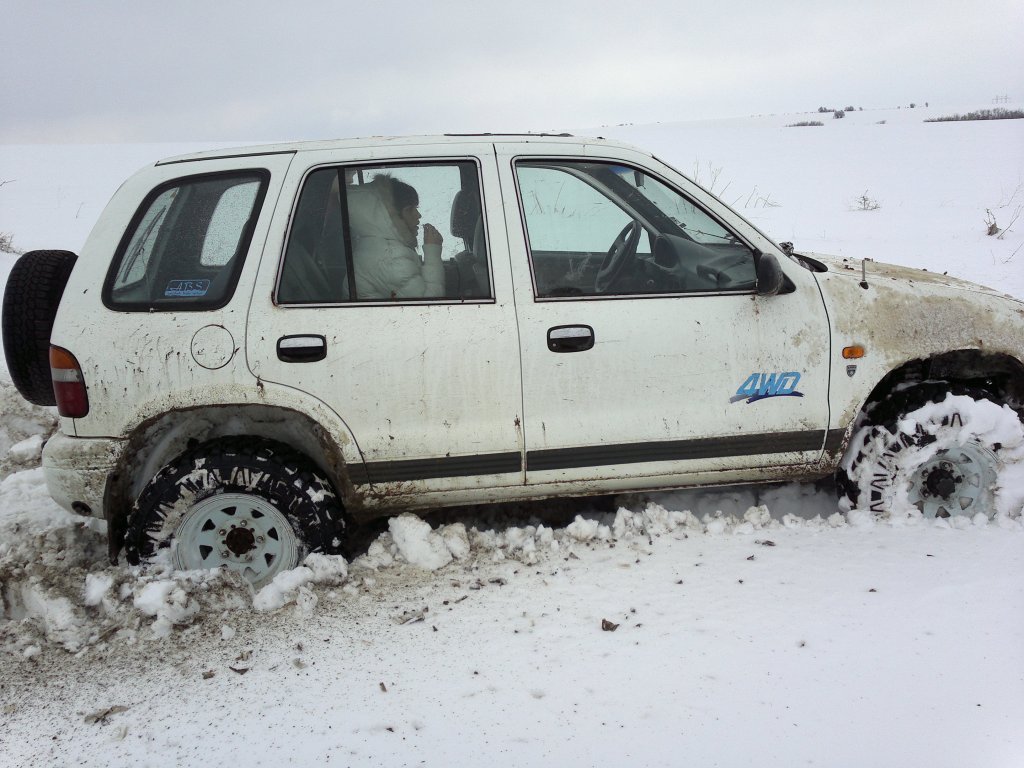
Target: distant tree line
<point x="999" y="113"/>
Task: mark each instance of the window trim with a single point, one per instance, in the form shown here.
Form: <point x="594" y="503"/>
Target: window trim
<point x="262" y="175"/>
<point x="538" y="160"/>
<point x="386" y="162"/>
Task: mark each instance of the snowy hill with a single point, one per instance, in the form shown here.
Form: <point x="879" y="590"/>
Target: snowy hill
<point x="752" y="626"/>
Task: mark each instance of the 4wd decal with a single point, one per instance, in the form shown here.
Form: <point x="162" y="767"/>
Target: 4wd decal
<point x="759" y="386"/>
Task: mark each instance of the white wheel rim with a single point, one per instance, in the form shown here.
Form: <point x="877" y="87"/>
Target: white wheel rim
<point x="236" y="530"/>
<point x="959" y="480"/>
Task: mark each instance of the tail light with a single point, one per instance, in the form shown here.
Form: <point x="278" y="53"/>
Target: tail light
<point x="68" y="384"/>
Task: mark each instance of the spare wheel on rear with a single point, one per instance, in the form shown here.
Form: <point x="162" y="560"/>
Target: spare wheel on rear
<point x="33" y="293"/>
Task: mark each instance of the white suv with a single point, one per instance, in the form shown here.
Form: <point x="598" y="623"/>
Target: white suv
<point x="258" y="345"/>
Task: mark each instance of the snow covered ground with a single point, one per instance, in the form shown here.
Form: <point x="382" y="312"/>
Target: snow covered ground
<point x="752" y="626"/>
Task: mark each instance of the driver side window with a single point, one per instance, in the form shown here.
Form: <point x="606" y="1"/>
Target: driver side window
<point x="599" y="228"/>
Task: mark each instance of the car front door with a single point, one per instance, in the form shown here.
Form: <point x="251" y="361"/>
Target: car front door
<point x="648" y="356"/>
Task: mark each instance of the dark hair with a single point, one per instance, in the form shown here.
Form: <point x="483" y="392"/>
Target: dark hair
<point x="403" y="194"/>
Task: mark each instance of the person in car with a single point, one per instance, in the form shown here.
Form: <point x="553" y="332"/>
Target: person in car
<point x="384" y="217"/>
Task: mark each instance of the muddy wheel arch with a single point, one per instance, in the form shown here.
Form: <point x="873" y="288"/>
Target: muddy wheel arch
<point x="999" y="375"/>
<point x="159" y="441"/>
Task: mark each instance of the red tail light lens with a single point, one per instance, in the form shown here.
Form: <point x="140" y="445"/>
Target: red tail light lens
<point x="68" y="384"/>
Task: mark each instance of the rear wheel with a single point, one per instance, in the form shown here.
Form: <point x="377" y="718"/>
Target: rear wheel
<point x="942" y="458"/>
<point x="252" y="506"/>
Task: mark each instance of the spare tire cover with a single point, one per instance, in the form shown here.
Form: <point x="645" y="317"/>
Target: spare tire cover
<point x="34" y="289"/>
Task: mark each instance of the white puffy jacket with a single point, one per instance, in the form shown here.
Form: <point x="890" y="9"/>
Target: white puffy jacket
<point x="386" y="263"/>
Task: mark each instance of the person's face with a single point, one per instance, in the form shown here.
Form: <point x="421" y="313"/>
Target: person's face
<point x="411" y="216"/>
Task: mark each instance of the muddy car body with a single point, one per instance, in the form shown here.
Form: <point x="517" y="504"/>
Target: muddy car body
<point x="604" y="325"/>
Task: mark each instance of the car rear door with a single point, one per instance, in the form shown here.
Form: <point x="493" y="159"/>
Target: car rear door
<point x="429" y="385"/>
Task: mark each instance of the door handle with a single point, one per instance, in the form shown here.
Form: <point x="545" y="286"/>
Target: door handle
<point x="570" y="338"/>
<point x="301" y="349"/>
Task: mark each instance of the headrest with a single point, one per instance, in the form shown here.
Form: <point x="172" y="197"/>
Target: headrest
<point x="465" y="213"/>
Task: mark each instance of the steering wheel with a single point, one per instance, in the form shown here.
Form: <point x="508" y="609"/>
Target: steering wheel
<point x="621" y="252"/>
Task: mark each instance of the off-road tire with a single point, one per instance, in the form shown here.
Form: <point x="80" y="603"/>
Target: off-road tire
<point x="34" y="289"/>
<point x="264" y="471"/>
<point x="868" y="474"/>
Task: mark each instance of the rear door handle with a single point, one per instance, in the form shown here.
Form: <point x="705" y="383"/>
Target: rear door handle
<point x="301" y="349"/>
<point x="570" y="338"/>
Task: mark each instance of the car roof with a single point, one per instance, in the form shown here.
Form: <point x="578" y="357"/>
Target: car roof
<point x="376" y="141"/>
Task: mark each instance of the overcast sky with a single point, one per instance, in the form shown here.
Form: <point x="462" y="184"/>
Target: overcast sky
<point x="221" y="70"/>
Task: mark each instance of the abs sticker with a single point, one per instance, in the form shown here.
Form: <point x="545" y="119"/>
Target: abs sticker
<point x="759" y="386"/>
<point x="187" y="288"/>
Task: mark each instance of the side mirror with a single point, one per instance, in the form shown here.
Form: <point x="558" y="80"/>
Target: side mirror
<point x="770" y="278"/>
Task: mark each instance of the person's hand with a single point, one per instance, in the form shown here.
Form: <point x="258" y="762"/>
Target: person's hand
<point x="431" y="236"/>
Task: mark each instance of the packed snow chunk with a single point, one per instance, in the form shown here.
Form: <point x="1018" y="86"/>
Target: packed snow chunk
<point x="97" y="585"/>
<point x="456" y="539"/>
<point x="545" y="538"/>
<point x="983" y="419"/>
<point x="283" y="589"/>
<point x="861" y="519"/>
<point x="418" y="544"/>
<point x="521" y="544"/>
<point x="625" y="524"/>
<point x="1010" y="489"/>
<point x="792" y="521"/>
<point x="28" y="450"/>
<point x="758" y="516"/>
<point x="380" y="554"/>
<point x="168" y="602"/>
<point x="754" y="519"/>
<point x="717" y="524"/>
<point x="291" y="586"/>
<point x="587" y="530"/>
<point x="23" y="429"/>
<point x="61" y="621"/>
<point x="327" y="569"/>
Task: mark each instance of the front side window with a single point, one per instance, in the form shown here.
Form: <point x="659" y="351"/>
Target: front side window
<point x="396" y="232"/>
<point x="599" y="228"/>
<point x="185" y="247"/>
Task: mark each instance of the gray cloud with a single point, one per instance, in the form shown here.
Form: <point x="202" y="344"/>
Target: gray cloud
<point x="204" y="71"/>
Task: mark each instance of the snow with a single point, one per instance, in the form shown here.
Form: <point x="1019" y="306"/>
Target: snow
<point x="418" y="544"/>
<point x="755" y="625"/>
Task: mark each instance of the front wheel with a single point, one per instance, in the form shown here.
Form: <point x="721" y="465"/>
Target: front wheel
<point x="944" y="459"/>
<point x="255" y="507"/>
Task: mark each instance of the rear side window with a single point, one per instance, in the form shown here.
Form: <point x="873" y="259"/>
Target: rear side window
<point x="399" y="232"/>
<point x="185" y="247"/>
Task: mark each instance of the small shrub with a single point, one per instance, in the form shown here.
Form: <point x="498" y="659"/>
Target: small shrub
<point x="999" y="113"/>
<point x="838" y="114"/>
<point x="1012" y="209"/>
<point x="804" y="123"/>
<point x="7" y="244"/>
<point x="865" y="203"/>
<point x="991" y="228"/>
<point x="849" y="109"/>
